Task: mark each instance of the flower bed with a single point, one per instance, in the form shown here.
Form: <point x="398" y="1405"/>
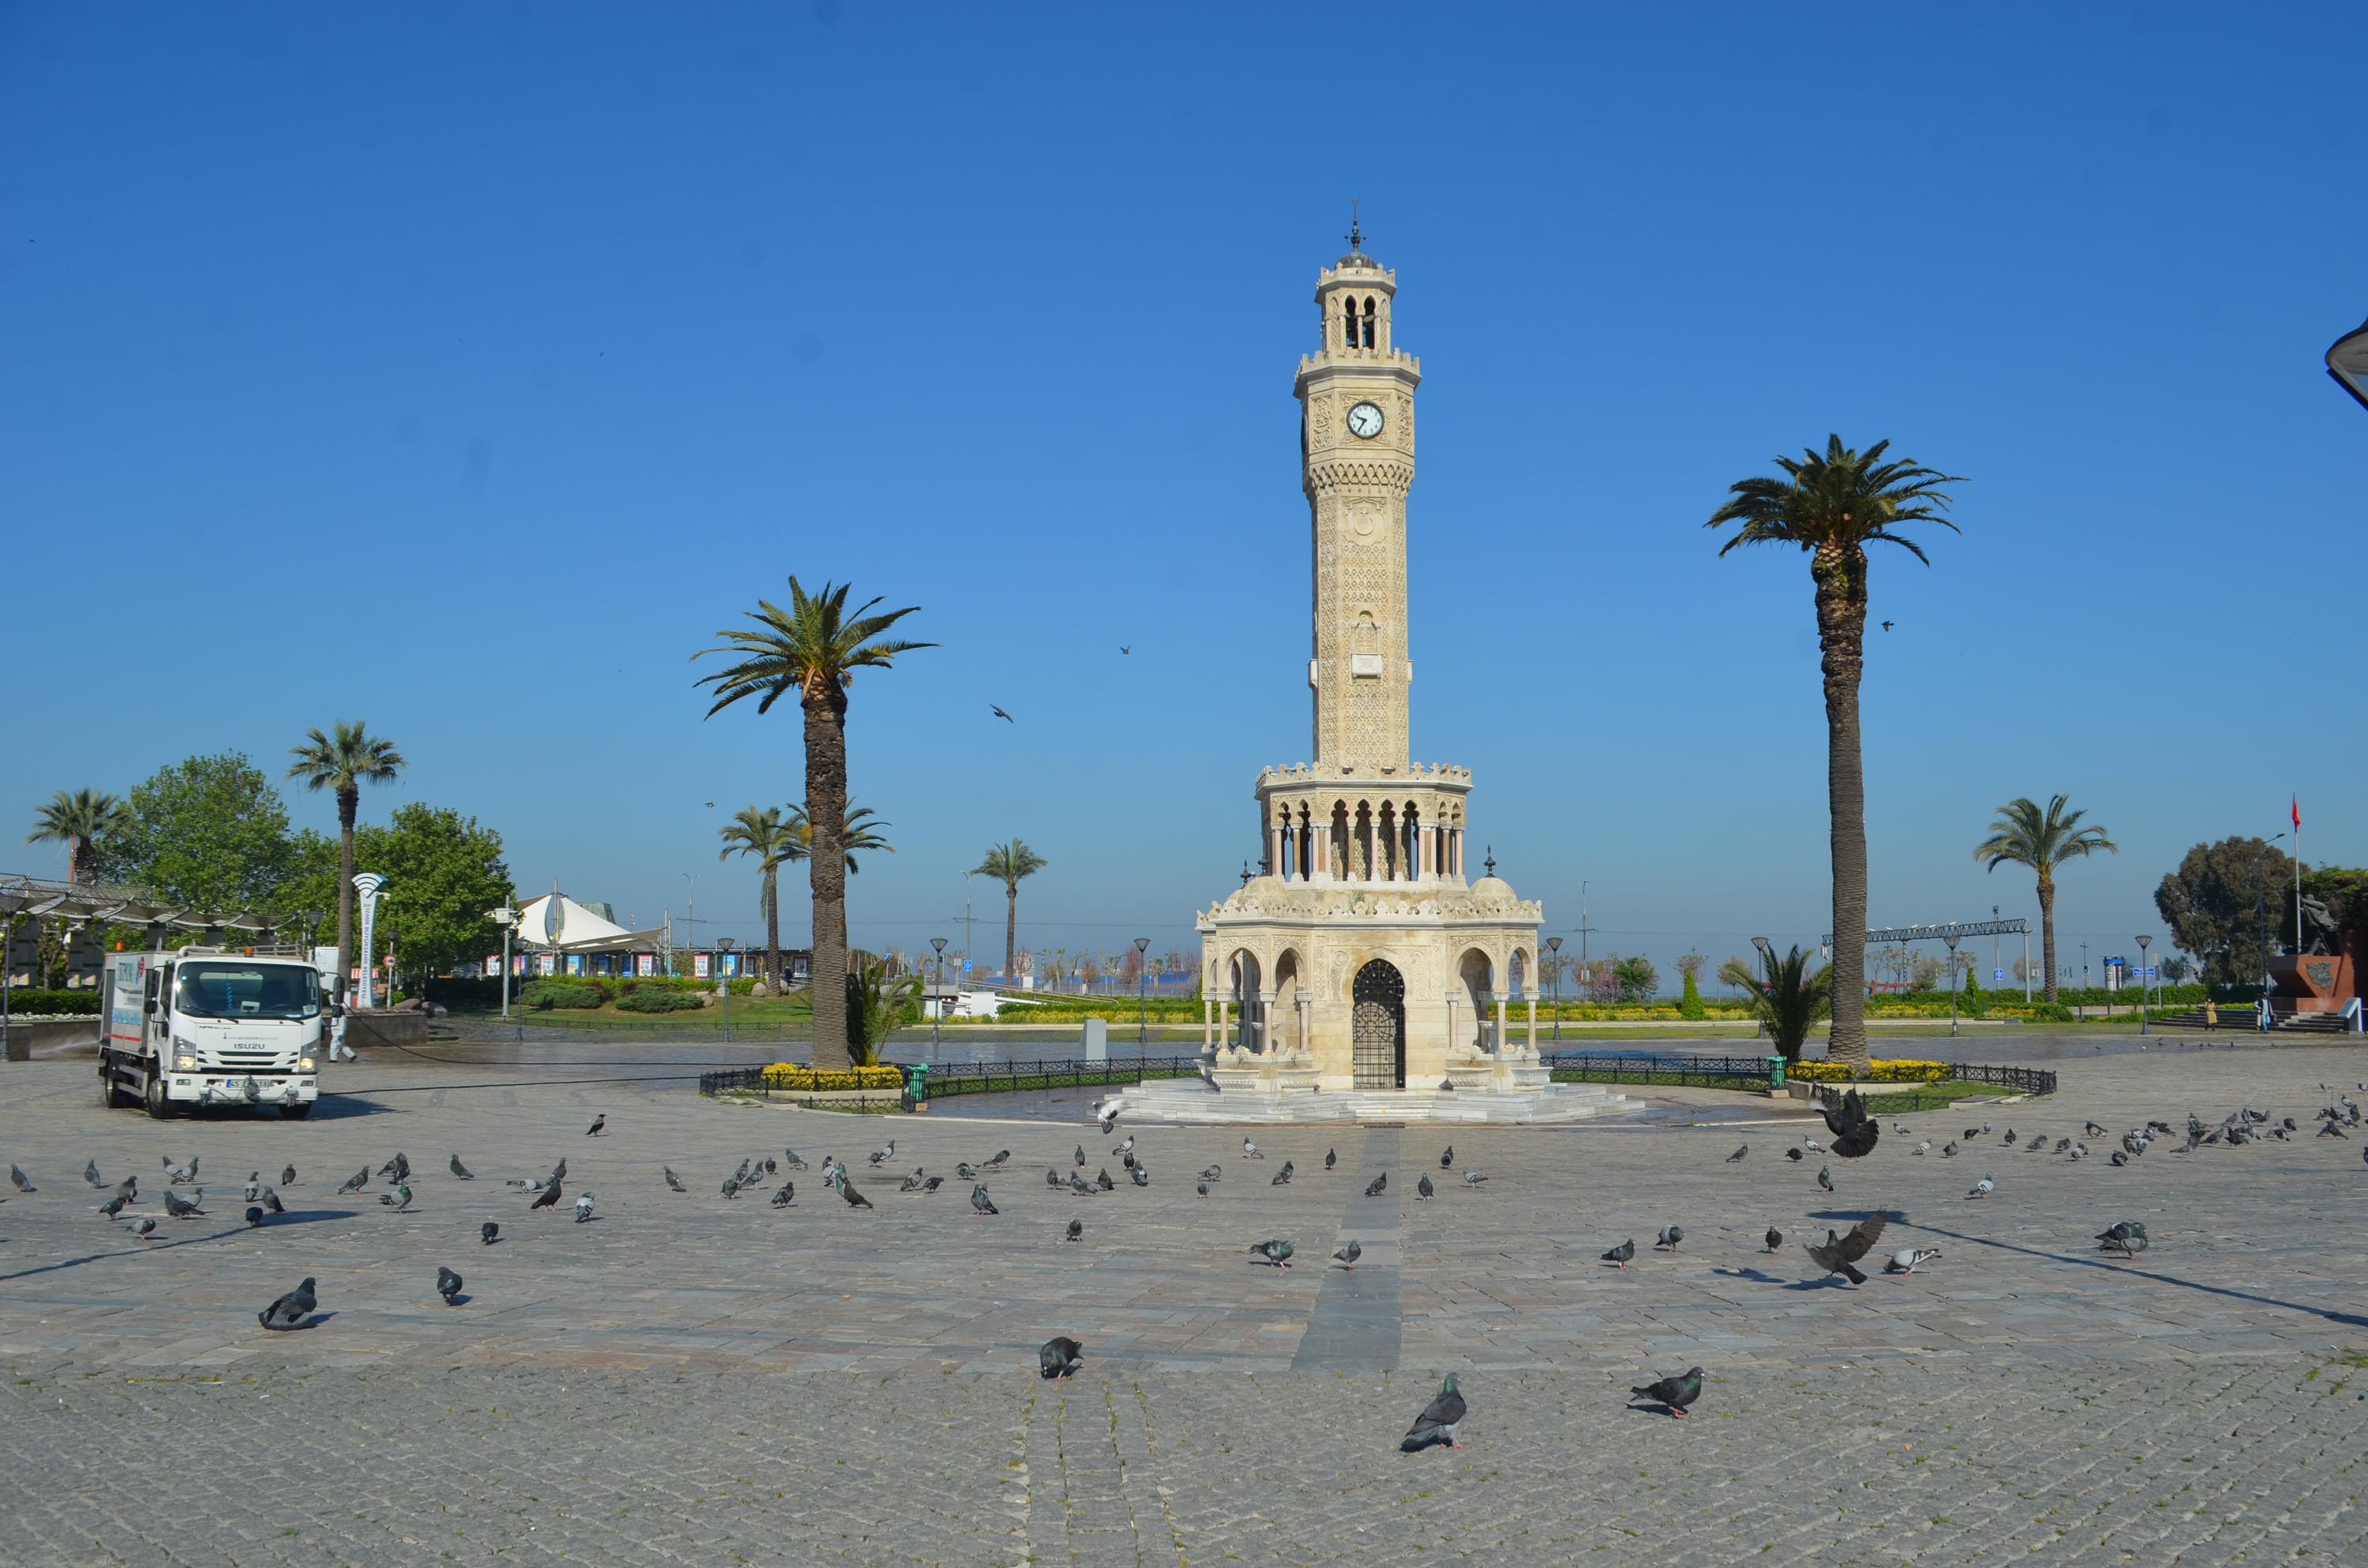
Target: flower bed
<point x="1899" y="1070"/>
<point x="797" y="1079"/>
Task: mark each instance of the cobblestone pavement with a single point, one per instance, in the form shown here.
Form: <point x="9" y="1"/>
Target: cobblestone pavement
<point x="691" y="1379"/>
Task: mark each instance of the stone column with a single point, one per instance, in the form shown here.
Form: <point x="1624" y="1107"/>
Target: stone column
<point x="1533" y="1018"/>
<point x="1497" y="1046"/>
<point x="1207" y="1021"/>
<point x="1305" y="1042"/>
<point x="1453" y="1037"/>
<point x="1226" y="1019"/>
<point x="1274" y="850"/>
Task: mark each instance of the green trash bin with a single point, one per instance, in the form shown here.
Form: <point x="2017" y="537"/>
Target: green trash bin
<point x="917" y="1085"/>
<point x="1775" y="1072"/>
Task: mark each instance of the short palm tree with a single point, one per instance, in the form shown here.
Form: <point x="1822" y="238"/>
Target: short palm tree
<point x="2026" y="835"/>
<point x="760" y="832"/>
<point x="1009" y="864"/>
<point x="79" y="820"/>
<point x="1832" y="506"/>
<point x="813" y="648"/>
<point x="859" y="834"/>
<point x="1788" y="999"/>
<point x="344" y="761"/>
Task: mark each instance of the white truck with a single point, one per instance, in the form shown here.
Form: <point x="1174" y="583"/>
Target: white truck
<point x="215" y="1027"/>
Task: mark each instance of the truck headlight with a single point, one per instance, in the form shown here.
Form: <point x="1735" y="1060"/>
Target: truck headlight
<point x="186" y="1061"/>
<point x="303" y="1064"/>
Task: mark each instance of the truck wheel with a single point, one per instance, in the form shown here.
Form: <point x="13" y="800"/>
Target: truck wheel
<point x="107" y="1100"/>
<point x="152" y="1098"/>
<point x="297" y="1111"/>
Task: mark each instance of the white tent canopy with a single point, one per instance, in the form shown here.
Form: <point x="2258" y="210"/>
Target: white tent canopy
<point x="557" y="923"/>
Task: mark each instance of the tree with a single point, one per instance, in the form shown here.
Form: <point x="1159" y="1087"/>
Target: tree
<point x="813" y="648"/>
<point x="2026" y="835"/>
<point x="1788" y="1000"/>
<point x="1690" y="1001"/>
<point x="877" y="1007"/>
<point x="2225" y="902"/>
<point x="443" y="870"/>
<point x="344" y="763"/>
<point x="1637" y="979"/>
<point x="208" y="832"/>
<point x="1009" y="864"/>
<point x="860" y="830"/>
<point x="81" y="820"/>
<point x="1833" y="507"/>
<point x="760" y="832"/>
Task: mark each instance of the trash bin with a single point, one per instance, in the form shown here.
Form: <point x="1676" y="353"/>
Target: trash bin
<point x="916" y="1085"/>
<point x="1775" y="1072"/>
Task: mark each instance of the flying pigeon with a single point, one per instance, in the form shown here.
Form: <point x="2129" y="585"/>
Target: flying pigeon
<point x="1739" y="1154"/>
<point x="1422" y="1187"/>
<point x="1794" y="1155"/>
<point x="1674" y="1393"/>
<point x="1330" y="1159"/>
<point x="1076" y="1230"/>
<point x="1447" y="1156"/>
<point x="1249" y="1150"/>
<point x="90" y="1175"/>
<point x="1276" y="1253"/>
<point x="1855" y="1132"/>
<point x="1373" y="1189"/>
<point x="1439" y="1421"/>
<point x="254" y="1216"/>
<point x="1825" y="1177"/>
<point x="980" y="1203"/>
<point x="463" y="1172"/>
<point x="19" y="1180"/>
<point x="1983" y="1187"/>
<point x="598" y="1122"/>
<point x="1622" y="1254"/>
<point x="1907" y="1260"/>
<point x="1347" y="1255"/>
<point x="398" y="1201"/>
<point x="288" y="1176"/>
<point x="1108" y="1120"/>
<point x="583" y="1207"/>
<point x="1282" y="1177"/>
<point x="448" y="1284"/>
<point x="1670" y="1236"/>
<point x="292" y="1310"/>
<point x="786" y="1195"/>
<point x="1775" y="1238"/>
<point x="1839" y="1254"/>
<point x="549" y="1196"/>
<point x="1001" y="714"/>
<point x="489" y="1232"/>
<point x="356" y="1182"/>
<point x="1059" y="1358"/>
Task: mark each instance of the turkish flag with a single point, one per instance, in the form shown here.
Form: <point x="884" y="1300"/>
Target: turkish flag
<point x="2297" y="812"/>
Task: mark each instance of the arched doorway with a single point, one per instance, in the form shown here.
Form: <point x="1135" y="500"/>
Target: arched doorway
<point x="1377" y="1057"/>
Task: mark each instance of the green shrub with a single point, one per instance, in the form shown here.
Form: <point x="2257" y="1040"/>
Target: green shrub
<point x="71" y="1004"/>
<point x="1689" y="1003"/>
<point x="657" y="999"/>
<point x="543" y="994"/>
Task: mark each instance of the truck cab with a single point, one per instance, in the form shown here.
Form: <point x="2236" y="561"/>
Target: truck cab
<point x="214" y="1026"/>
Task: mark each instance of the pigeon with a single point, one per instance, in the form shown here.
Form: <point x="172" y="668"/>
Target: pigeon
<point x="19" y="1180"/>
<point x="1794" y="1155"/>
<point x="1674" y="1393"/>
<point x="1374" y="1188"/>
<point x="1439" y="1421"/>
<point x="1347" y="1255"/>
<point x="111" y="1207"/>
<point x="739" y="1178"/>
<point x="1081" y="1156"/>
<point x="1739" y="1154"/>
<point x="1983" y="1187"/>
<point x="90" y="1175"/>
<point x="1059" y="1357"/>
<point x="461" y="1171"/>
<point x="272" y="1202"/>
<point x="559" y="1173"/>
<point x="489" y="1232"/>
<point x="932" y="1184"/>
<point x="1839" y="1254"/>
<point x="1140" y="1174"/>
<point x="1330" y="1159"/>
<point x="980" y="1203"/>
<point x="1900" y="1127"/>
<point x="254" y="1188"/>
<point x="598" y="1122"/>
<point x="1825" y="1177"/>
<point x="181" y="1207"/>
<point x="672" y="1180"/>
<point x="181" y="1175"/>
<point x="1775" y="1239"/>
<point x="254" y="1216"/>
<point x="583" y="1207"/>
<point x="143" y="1225"/>
<point x="912" y="1183"/>
<point x="1473" y="1178"/>
<point x="1621" y="1254"/>
<point x="1949" y="1150"/>
<point x="1076" y="1230"/>
<point x="356" y="1182"/>
<point x="2093" y="1130"/>
<point x="292" y="1310"/>
<point x="1670" y="1236"/>
<point x="2325" y="1130"/>
<point x="1213" y="1173"/>
<point x="398" y="1201"/>
<point x="1127" y="1147"/>
<point x="965" y="1170"/>
<point x="1812" y="1146"/>
<point x="1203" y="1187"/>
<point x="288" y="1176"/>
<point x="854" y="1198"/>
<point x="394" y="1162"/>
<point x="1001" y="714"/>
<point x="786" y="1195"/>
<point x="1923" y="1146"/>
<point x="1109" y="1122"/>
<point x="1128" y="1160"/>
<point x="1251" y="1151"/>
<point x="2120" y="1159"/>
<point x="1276" y="1253"/>
<point x="2008" y="1139"/>
<point x="1854" y="1131"/>
<point x="1447" y="1156"/>
<point x="448" y="1285"/>
<point x="882" y="1157"/>
<point x="1080" y="1185"/>
<point x="1282" y="1177"/>
<point x="730" y="1187"/>
<point x="1907" y="1260"/>
<point x="2127" y="1237"/>
<point x="1052" y="1178"/>
<point x="402" y="1171"/>
<point x="1001" y="1157"/>
<point x="1972" y="1133"/>
<point x="128" y="1189"/>
<point x="1104" y="1182"/>
<point x="549" y="1196"/>
<point x="795" y="1163"/>
<point x="1422" y="1187"/>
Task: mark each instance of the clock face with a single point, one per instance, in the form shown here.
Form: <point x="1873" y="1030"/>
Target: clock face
<point x="1365" y="420"/>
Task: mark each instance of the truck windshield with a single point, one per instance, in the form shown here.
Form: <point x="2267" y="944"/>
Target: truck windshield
<point x="246" y="991"/>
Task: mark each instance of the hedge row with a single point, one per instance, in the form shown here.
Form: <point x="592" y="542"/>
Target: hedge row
<point x="65" y="1004"/>
<point x="1897" y="1070"/>
<point x="801" y="1079"/>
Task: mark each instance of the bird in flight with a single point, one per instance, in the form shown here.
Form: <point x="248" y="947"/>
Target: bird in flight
<point x="1886" y="626"/>
<point x="1124" y="649"/>
<point x="1001" y="714"/>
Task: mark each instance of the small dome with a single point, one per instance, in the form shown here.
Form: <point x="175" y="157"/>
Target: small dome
<point x="1263" y="884"/>
<point x="1491" y="890"/>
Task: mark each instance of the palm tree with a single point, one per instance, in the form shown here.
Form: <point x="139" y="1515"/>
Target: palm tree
<point x="1788" y="999"/>
<point x="1009" y="864"/>
<point x="860" y="831"/>
<point x="813" y="648"/>
<point x="1833" y="507"/>
<point x="79" y="821"/>
<point x="2042" y="840"/>
<point x="344" y="761"/>
<point x="759" y="831"/>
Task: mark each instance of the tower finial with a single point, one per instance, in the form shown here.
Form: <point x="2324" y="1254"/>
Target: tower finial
<point x="1356" y="232"/>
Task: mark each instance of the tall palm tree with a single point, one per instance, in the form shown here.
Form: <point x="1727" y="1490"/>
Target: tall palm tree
<point x="760" y="832"/>
<point x="79" y="820"/>
<point x="813" y="648"/>
<point x="1009" y="864"/>
<point x="1833" y="507"/>
<point x="860" y="831"/>
<point x="2024" y="835"/>
<point x="344" y="761"/>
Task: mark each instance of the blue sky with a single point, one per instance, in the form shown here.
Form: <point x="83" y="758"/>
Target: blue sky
<point x="465" y="367"/>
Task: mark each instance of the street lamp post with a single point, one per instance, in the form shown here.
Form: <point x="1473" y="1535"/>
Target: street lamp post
<point x="2144" y="943"/>
<point x="506" y="919"/>
<point x="1553" y="946"/>
<point x="937" y="1002"/>
<point x="723" y="946"/>
<point x="10" y="903"/>
<point x="1142" y="1006"/>
<point x="1952" y="939"/>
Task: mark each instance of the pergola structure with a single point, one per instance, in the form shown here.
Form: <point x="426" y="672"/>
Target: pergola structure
<point x="1951" y="934"/>
<point x="82" y="909"/>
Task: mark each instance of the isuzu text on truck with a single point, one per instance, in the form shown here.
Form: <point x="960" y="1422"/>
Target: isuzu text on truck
<point x="214" y="1026"/>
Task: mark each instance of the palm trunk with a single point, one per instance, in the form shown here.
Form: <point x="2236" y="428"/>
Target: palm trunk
<point x="827" y="868"/>
<point x="2047" y="930"/>
<point x="350" y="801"/>
<point x="1010" y="932"/>
<point x="773" y="927"/>
<point x="1839" y="573"/>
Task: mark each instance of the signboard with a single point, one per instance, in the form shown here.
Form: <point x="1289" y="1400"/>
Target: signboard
<point x="965" y="966"/>
<point x="699" y="965"/>
<point x="645" y="964"/>
<point x="575" y="963"/>
<point x="1998" y="976"/>
<point x="493" y="966"/>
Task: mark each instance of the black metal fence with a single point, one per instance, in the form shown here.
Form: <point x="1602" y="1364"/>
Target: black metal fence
<point x="940" y="1080"/>
<point x="1678" y="1068"/>
<point x="1883" y="1100"/>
